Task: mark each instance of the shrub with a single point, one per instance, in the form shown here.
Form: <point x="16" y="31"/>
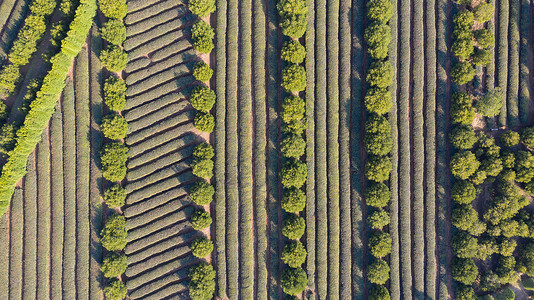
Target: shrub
<point x="293" y="200"/>
<point x="3" y="111"/>
<point x="202" y="71"/>
<point x="379" y="292"/>
<point x="464" y="164"/>
<point x="203" y="35"/>
<point x="482" y="57"/>
<point x="483" y="12"/>
<point x="380" y="244"/>
<point x="202" y="192"/>
<point x="202" y="281"/>
<point x="463" y="137"/>
<point x="378" y="100"/>
<point x="9" y="78"/>
<point x="490" y="104"/>
<point x="113" y="235"/>
<point x="380" y="74"/>
<point x="464" y="270"/>
<point x="463" y="48"/>
<point x="202" y="168"/>
<point x="115" y="290"/>
<point x="484" y="38"/>
<point x="202" y="8"/>
<point x="115" y="93"/>
<point x="114" y="264"/>
<point x="378" y="36"/>
<point x="201" y="219"/>
<point x="527" y="137"/>
<point x="294" y="254"/>
<point x="293" y="173"/>
<point x="378" y="168"/>
<point x="201" y="247"/>
<point x="115" y="196"/>
<point x="203" y="151"/>
<point x="510" y="138"/>
<point x="113" y="158"/>
<point x="204" y="122"/>
<point x="294" y="78"/>
<point x="464" y="216"/>
<point x="293" y="145"/>
<point x="113" y="9"/>
<point x="524" y="166"/>
<point x="379" y="10"/>
<point x="378" y="219"/>
<point x="293" y="281"/>
<point x="378" y="272"/>
<point x="114" y="127"/>
<point x="462" y="111"/>
<point x="114" y="31"/>
<point x="114" y="58"/>
<point x="202" y="98"/>
<point x="463" y="72"/>
<point x="293" y="227"/>
<point x="377" y="194"/>
<point x="293" y="52"/>
<point x="8" y="138"/>
<point x="463" y="192"/>
<point x="293" y="109"/>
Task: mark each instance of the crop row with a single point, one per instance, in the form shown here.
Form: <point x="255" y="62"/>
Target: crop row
<point x="155" y="44"/>
<point x="141" y="14"/>
<point x="12" y="14"/>
<point x="142" y="135"/>
<point x="160" y="151"/>
<point x="156" y="21"/>
<point x="524" y="97"/>
<point x="160" y="66"/>
<point x="142" y="38"/>
<point x="177" y="240"/>
<point x="157" y="114"/>
<point x="159" y="91"/>
<point x="173" y="99"/>
<point x="161" y="77"/>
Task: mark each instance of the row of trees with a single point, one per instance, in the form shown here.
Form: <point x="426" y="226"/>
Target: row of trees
<point x="378" y="142"/>
<point x="293" y="21"/>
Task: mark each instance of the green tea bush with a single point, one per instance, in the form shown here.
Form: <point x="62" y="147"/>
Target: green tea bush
<point x="203" y="36"/>
<point x="378" y="168"/>
<point x="380" y="74"/>
<point x="114" y="127"/>
<point x="378" y="272"/>
<point x="114" y="31"/>
<point x="202" y="281"/>
<point x="294" y="78"/>
<point x="202" y="71"/>
<point x="293" y="52"/>
<point x="113" y="9"/>
<point x="115" y="196"/>
<point x="201" y="247"/>
<point x="114" y="264"/>
<point x="204" y="122"/>
<point x="202" y="192"/>
<point x="463" y="72"/>
<point x="293" y="173"/>
<point x="113" y="158"/>
<point x="380" y="244"/>
<point x="293" y="200"/>
<point x="293" y="227"/>
<point x="113" y="235"/>
<point x="202" y="8"/>
<point x="114" y="58"/>
<point x="378" y="219"/>
<point x="201" y="219"/>
<point x="115" y="290"/>
<point x="115" y="93"/>
<point x="294" y="254"/>
<point x="293" y="281"/>
<point x="377" y="194"/>
<point x="293" y="145"/>
<point x="202" y="98"/>
<point x="378" y="100"/>
<point x="463" y="137"/>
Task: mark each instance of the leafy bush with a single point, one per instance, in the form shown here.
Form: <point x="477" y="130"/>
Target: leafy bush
<point x="293" y="109"/>
<point x="202" y="98"/>
<point x="484" y="38"/>
<point x="464" y="164"/>
<point x="510" y="138"/>
<point x="202" y="8"/>
<point x="115" y="93"/>
<point x="380" y="244"/>
<point x="294" y="254"/>
<point x="293" y="200"/>
<point x="202" y="192"/>
<point x="463" y="137"/>
<point x="527" y="137"/>
<point x="379" y="10"/>
<point x="463" y="192"/>
<point x="464" y="270"/>
<point x="115" y="196"/>
<point x="8" y="138"/>
<point x="377" y="194"/>
<point x="482" y="57"/>
<point x="204" y="122"/>
<point x="293" y="281"/>
<point x="202" y="168"/>
<point x="380" y="74"/>
<point x="201" y="247"/>
<point x="483" y="12"/>
<point x="203" y="151"/>
<point x="463" y="48"/>
<point x="114" y="264"/>
<point x="463" y="72"/>
<point x="293" y="173"/>
<point x="202" y="71"/>
<point x="115" y="290"/>
<point x="113" y="9"/>
<point x="201" y="219"/>
<point x="378" y="168"/>
<point x="202" y="281"/>
<point x="378" y="219"/>
<point x="293" y="52"/>
<point x="114" y="58"/>
<point x="378" y="100"/>
<point x="462" y="111"/>
<point x="203" y="36"/>
<point x="9" y="78"/>
<point x="379" y="292"/>
<point x="293" y="227"/>
<point x="293" y="146"/>
<point x="113" y="158"/>
<point x="114" y="127"/>
<point x="378" y="36"/>
<point x="114" y="32"/>
<point x="378" y="272"/>
<point x="113" y="235"/>
<point x="294" y="78"/>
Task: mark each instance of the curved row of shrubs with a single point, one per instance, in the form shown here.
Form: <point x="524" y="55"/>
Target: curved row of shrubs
<point x="114" y="153"/>
<point x="378" y="143"/>
<point x="293" y="21"/>
<point x="202" y="98"/>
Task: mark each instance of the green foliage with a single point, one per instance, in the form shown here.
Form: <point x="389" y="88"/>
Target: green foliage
<point x="464" y="216"/>
<point x="380" y="74"/>
<point x="293" y="200"/>
<point x="293" y="173"/>
<point x="201" y="219"/>
<point x="465" y="292"/>
<point x="484" y="38"/>
<point x="115" y="93"/>
<point x="28" y="37"/>
<point x="8" y="138"/>
<point x="201" y="247"/>
<point x="293" y="109"/>
<point x="464" y="164"/>
<point x="378" y="36"/>
<point x="293" y="17"/>
<point x="379" y="10"/>
<point x="378" y="139"/>
<point x="294" y="78"/>
<point x="114" y="127"/>
<point x="378" y="272"/>
<point x="9" y="78"/>
<point x="463" y="48"/>
<point x="378" y="168"/>
<point x="527" y="137"/>
<point x="463" y="137"/>
<point x="378" y="219"/>
<point x="115" y="196"/>
<point x="505" y="269"/>
<point x="507" y="246"/>
<point x="463" y="72"/>
<point x="292" y="7"/>
<point x="114" y="264"/>
<point x="293" y="281"/>
<point x="114" y="32"/>
<point x="203" y="151"/>
<point x="68" y="7"/>
<point x="378" y="100"/>
<point x="463" y="23"/>
<point x="462" y="111"/>
<point x="489" y="282"/>
<point x="58" y="31"/>
<point x="204" y="122"/>
<point x="114" y="58"/>
<point x="464" y="245"/>
<point x="113" y="235"/>
<point x="463" y="192"/>
<point x="113" y="9"/>
<point x="202" y="168"/>
<point x="293" y="227"/>
<point x="524" y="166"/>
<point x="482" y="57"/>
<point x="202" y="281"/>
<point x="113" y="158"/>
<point x="293" y="145"/>
<point x="509" y="138"/>
<point x="377" y="194"/>
<point x="294" y="254"/>
<point x="202" y="98"/>
<point x="202" y="71"/>
<point x="293" y="52"/>
<point x="115" y="290"/>
<point x="508" y="159"/>
<point x="483" y="12"/>
<point x="464" y="270"/>
<point x="380" y="244"/>
<point x="42" y="7"/>
<point x="202" y="192"/>
<point x="203" y="36"/>
<point x="202" y="8"/>
<point x="379" y="292"/>
<point x="490" y="104"/>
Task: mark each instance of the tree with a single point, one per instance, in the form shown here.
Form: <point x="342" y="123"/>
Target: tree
<point x="378" y="168"/>
<point x="464" y="270"/>
<point x="202" y="192"/>
<point x="508" y="159"/>
<point x="8" y="138"/>
<point x="377" y="194"/>
<point x="202" y="98"/>
<point x="484" y="38"/>
<point x="293" y="52"/>
<point x="463" y="137"/>
<point x="203" y="151"/>
<point x="294" y="254"/>
<point x="483" y="12"/>
<point x="201" y="219"/>
<point x="378" y="100"/>
<point x="378" y="36"/>
<point x="463" y="22"/>
<point x="379" y="292"/>
<point x="378" y="219"/>
<point x="463" y="192"/>
<point x="527" y="137"/>
<point x="114" y="31"/>
<point x="113" y="158"/>
<point x="114" y="264"/>
<point x="201" y="247"/>
<point x="114" y="58"/>
<point x="482" y="57"/>
<point x="526" y="260"/>
<point x="42" y="8"/>
<point x="202" y="281"/>
<point x="380" y="74"/>
<point x="293" y="200"/>
<point x="293" y="109"/>
<point x="507" y="246"/>
<point x="202" y="71"/>
<point x="204" y="122"/>
<point x="465" y="292"/>
<point x="505" y="269"/>
<point x="379" y="10"/>
<point x="379" y="143"/>
<point x="292" y="7"/>
<point x="115" y="290"/>
<point x="203" y="35"/>
<point x="380" y="244"/>
<point x="115" y="196"/>
<point x="293" y="25"/>
<point x="463" y="48"/>
<point x="492" y="166"/>
<point x="490" y="104"/>
<point x="114" y="127"/>
<point x="463" y="72"/>
<point x="113" y="9"/>
<point x="293" y="227"/>
<point x="462" y="111"/>
<point x="9" y="77"/>
<point x="294" y="78"/>
<point x="378" y="272"/>
<point x="524" y="166"/>
<point x="464" y="164"/>
<point x="464" y="216"/>
<point x="510" y="138"/>
<point x="115" y="93"/>
<point x="293" y="145"/>
<point x="377" y="123"/>
<point x="113" y="235"/>
<point x="202" y="8"/>
<point x="293" y="173"/>
<point x="464" y="245"/>
<point x="202" y="168"/>
<point x="293" y="281"/>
